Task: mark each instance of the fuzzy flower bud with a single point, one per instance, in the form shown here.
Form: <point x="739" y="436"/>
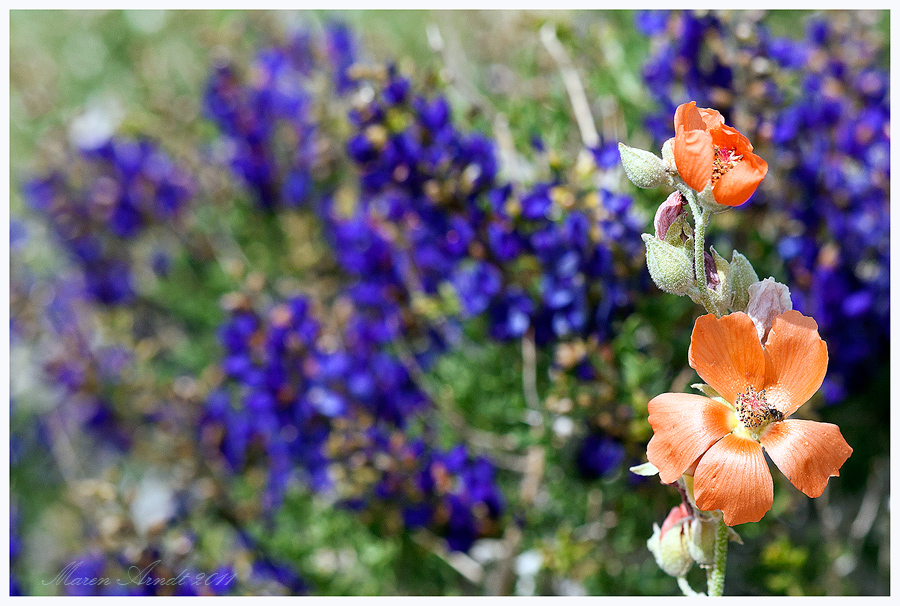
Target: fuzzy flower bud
<point x="668" y="154"/>
<point x="768" y="299"/>
<point x="642" y="168"/>
<point x="702" y="540"/>
<point x="740" y="277"/>
<point x="716" y="271"/>
<point x="667" y="213"/>
<point x="669" y="544"/>
<point x="671" y="267"/>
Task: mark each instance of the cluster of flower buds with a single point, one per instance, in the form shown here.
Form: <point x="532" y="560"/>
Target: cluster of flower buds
<point x="702" y="162"/>
<point x="687" y="535"/>
<point x="672" y="544"/>
<point x="818" y="102"/>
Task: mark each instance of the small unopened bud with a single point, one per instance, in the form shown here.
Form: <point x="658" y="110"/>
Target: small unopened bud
<point x="667" y="212"/>
<point x="670" y="266"/>
<point x="669" y="544"/>
<point x="668" y="155"/>
<point x="642" y="168"/>
<point x="740" y="276"/>
<point x="702" y="540"/>
<point x="768" y="299"/>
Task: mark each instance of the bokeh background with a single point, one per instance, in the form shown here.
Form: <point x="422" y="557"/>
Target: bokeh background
<point x="355" y="303"/>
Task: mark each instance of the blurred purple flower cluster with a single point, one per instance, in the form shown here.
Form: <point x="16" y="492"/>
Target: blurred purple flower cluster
<point x="552" y="257"/>
<point x="106" y="197"/>
<point x="269" y="124"/>
<point x="429" y="213"/>
<point x="15" y="547"/>
<point x="86" y="370"/>
<point x="395" y="478"/>
<point x="818" y="107"/>
<point x="330" y="410"/>
<point x="327" y="392"/>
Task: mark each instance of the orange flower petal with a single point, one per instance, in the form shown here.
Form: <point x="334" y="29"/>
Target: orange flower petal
<point x="693" y="147"/>
<point x="727" y="354"/>
<point x="807" y="452"/>
<point x="711" y="118"/>
<point x="733" y="476"/>
<point x="731" y="138"/>
<point x="694" y="157"/>
<point x="688" y="117"/>
<point x="737" y="185"/>
<point x="684" y="427"/>
<point x="796" y="361"/>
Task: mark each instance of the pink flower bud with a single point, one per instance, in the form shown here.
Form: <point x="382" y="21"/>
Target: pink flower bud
<point x="768" y="299"/>
<point x="678" y="514"/>
<point x="669" y="544"/>
<point x="667" y="212"/>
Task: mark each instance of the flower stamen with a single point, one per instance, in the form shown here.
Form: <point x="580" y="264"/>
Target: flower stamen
<point x="724" y="159"/>
<point x="754" y="411"/>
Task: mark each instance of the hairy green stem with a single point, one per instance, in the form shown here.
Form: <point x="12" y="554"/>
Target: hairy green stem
<point x="701" y="220"/>
<point x="716" y="577"/>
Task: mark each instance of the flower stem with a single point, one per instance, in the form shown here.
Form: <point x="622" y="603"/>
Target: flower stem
<point x="716" y="578"/>
<point x="701" y="219"/>
<point x="686" y="588"/>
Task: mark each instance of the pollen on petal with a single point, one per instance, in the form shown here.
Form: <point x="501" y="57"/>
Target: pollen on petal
<point x="807" y="452"/>
<point x="684" y="427"/>
<point x="733" y="476"/>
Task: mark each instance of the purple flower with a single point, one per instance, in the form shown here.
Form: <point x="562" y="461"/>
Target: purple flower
<point x="476" y="285"/>
<point x="599" y="456"/>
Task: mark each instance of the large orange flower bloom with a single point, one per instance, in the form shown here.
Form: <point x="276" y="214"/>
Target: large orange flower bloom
<point x="706" y="149"/>
<point x="722" y="444"/>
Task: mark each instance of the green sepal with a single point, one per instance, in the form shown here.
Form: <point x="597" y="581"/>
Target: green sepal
<point x="740" y="277"/>
<point x="680" y="227"/>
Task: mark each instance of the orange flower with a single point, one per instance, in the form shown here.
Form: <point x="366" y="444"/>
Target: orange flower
<point x="706" y="149"/>
<point x="721" y="445"/>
